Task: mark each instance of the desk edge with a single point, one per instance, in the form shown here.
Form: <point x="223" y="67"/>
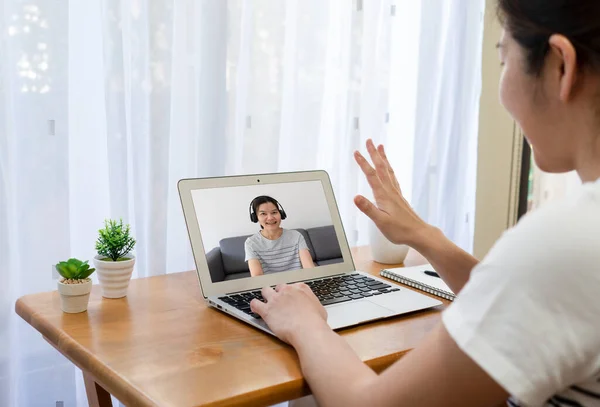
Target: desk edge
<point x="122" y="389"/>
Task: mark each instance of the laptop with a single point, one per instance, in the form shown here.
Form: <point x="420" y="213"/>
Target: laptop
<point x="223" y="233"/>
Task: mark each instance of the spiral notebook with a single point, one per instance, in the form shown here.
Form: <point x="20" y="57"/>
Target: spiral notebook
<point x="416" y="277"/>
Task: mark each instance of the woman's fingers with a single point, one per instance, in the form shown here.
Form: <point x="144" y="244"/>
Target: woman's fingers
<point x="303" y="287"/>
<point x="371" y="175"/>
<point x="393" y="177"/>
<point x="380" y="166"/>
<point x="258" y="306"/>
<point x="369" y="209"/>
<point x="382" y="175"/>
<point x="267" y="293"/>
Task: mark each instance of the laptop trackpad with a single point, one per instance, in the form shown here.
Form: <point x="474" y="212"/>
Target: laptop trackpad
<point x="351" y="313"/>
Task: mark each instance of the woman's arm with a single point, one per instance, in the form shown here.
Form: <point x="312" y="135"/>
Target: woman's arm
<point x="306" y="259"/>
<point x="437" y="373"/>
<point x="450" y="261"/>
<point x="401" y="225"/>
<point x="255" y="267"/>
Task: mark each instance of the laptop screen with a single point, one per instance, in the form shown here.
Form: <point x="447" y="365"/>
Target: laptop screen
<point x="255" y="230"/>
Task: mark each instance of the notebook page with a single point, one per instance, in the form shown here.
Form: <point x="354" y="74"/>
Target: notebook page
<point x="416" y="273"/>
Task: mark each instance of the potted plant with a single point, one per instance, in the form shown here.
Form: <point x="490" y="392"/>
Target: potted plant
<point x="75" y="286"/>
<point x="114" y="263"/>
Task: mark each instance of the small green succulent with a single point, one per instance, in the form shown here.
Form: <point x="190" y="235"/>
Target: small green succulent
<point x="114" y="241"/>
<point x="74" y="269"/>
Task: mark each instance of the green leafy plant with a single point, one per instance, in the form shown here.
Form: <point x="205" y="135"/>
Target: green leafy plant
<point x="74" y="269"/>
<point x="114" y="241"/>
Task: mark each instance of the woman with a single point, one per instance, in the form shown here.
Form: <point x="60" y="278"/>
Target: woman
<point x="525" y="327"/>
<point x="274" y="249"/>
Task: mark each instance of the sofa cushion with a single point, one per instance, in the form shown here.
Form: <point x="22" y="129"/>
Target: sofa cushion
<point x="215" y="265"/>
<point x="325" y="243"/>
<point x="329" y="261"/>
<point x="235" y="276"/>
<point x="233" y="254"/>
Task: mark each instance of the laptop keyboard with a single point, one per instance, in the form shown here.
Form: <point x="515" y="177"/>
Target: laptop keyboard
<point x="330" y="290"/>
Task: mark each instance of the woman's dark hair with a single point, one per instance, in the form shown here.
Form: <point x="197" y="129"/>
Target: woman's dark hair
<point x="263" y="199"/>
<point x="532" y="22"/>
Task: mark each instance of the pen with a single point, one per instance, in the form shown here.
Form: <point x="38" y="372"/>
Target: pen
<point x="432" y="273"/>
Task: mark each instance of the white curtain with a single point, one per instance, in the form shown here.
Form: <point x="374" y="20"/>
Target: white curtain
<point x="106" y="104"/>
<point x="449" y="85"/>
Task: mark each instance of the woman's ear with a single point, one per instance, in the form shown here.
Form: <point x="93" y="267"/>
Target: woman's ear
<point x="565" y="61"/>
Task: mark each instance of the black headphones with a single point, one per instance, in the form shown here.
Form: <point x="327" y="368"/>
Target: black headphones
<point x="253" y="216"/>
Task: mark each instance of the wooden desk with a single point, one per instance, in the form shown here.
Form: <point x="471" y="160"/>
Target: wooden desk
<point x="162" y="346"/>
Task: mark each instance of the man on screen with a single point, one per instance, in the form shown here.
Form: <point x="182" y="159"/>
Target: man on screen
<point x="274" y="249"/>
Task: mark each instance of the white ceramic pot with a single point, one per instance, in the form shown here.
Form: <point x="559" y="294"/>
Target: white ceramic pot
<point x="114" y="276"/>
<point x="74" y="297"/>
<point x="384" y="251"/>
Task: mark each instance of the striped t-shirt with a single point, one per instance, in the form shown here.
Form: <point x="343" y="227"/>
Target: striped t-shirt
<point x="278" y="255"/>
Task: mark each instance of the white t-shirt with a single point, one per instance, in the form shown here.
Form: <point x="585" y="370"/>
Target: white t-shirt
<point x="530" y="313"/>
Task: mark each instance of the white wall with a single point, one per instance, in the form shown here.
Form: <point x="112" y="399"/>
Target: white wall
<point x="224" y="212"/>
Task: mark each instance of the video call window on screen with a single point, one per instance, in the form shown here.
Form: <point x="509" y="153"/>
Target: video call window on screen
<point x="264" y="229"/>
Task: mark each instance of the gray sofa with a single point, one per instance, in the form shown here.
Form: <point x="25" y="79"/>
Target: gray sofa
<point x="227" y="261"/>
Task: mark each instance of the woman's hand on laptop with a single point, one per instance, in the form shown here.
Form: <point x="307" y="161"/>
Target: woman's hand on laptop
<point x="290" y="310"/>
<point x="391" y="213"/>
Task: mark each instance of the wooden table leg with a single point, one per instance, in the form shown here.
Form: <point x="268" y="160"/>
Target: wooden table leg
<point x="97" y="396"/>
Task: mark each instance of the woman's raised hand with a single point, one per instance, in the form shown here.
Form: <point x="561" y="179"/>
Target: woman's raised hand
<point x="391" y="212"/>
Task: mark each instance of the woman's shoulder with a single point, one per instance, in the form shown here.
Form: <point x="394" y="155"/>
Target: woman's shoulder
<point x="574" y="219"/>
<point x="292" y="234"/>
<point x="253" y="238"/>
<point x="558" y="236"/>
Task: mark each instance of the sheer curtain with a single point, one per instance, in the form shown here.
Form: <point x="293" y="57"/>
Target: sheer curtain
<point x="449" y="85"/>
<point x="105" y="104"/>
